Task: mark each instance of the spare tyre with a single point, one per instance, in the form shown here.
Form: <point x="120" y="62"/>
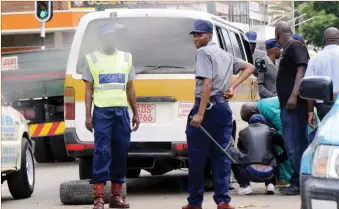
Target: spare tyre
<point x="80" y="192"/>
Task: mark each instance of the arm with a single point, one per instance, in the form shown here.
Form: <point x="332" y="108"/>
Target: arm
<point x="89" y="98"/>
<point x="88" y="79"/>
<point x="300" y="57"/>
<point x="130" y="91"/>
<point x="246" y="68"/>
<point x="206" y="93"/>
<point x="204" y="72"/>
<point x="300" y="75"/>
<point x="265" y="93"/>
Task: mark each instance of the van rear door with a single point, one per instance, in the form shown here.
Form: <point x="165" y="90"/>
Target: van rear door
<point x="164" y="59"/>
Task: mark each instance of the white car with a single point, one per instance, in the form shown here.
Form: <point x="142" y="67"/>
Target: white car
<point x="17" y="161"/>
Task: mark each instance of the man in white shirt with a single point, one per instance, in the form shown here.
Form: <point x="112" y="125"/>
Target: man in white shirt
<point x="325" y="63"/>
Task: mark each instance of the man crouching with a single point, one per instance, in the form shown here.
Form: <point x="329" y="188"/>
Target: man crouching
<point x="255" y="156"/>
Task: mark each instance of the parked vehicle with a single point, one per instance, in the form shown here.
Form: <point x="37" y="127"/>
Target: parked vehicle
<point x="163" y="56"/>
<point x="319" y="178"/>
<point x="33" y="83"/>
<point x="17" y="148"/>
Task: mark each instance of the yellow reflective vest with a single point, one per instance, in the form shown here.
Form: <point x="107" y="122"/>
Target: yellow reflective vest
<point x="110" y="77"/>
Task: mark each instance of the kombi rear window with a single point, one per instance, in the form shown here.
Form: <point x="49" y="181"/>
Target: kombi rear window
<point x="152" y="41"/>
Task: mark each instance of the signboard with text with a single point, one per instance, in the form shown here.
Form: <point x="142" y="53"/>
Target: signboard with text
<point x="76" y="5"/>
<point x="9" y="63"/>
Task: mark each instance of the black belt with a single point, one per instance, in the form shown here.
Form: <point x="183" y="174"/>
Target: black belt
<point x="213" y="99"/>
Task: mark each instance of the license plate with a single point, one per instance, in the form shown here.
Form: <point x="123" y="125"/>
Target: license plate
<point x="320" y="204"/>
<point x="146" y="113"/>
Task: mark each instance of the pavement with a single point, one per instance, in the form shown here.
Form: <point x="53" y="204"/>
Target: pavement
<point x="147" y="192"/>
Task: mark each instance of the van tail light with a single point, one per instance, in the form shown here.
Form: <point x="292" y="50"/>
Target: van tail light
<point x="69" y="103"/>
<point x="29" y="113"/>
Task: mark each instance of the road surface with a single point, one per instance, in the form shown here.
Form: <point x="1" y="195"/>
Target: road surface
<point x="163" y="192"/>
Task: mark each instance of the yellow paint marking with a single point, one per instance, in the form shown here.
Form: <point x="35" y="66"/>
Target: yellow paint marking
<point x="45" y="129"/>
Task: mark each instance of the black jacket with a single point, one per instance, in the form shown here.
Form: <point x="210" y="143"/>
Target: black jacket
<point x="255" y="146"/>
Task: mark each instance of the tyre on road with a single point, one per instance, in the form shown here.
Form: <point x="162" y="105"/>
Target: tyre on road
<point x="43" y="152"/>
<point x="80" y="192"/>
<point x="21" y="183"/>
<point x="59" y="149"/>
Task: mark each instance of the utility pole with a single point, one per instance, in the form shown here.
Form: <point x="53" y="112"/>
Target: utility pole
<point x="42" y="35"/>
<point x="43" y="13"/>
<point x="293" y="20"/>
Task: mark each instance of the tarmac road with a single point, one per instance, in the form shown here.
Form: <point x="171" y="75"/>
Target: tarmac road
<point x="161" y="192"/>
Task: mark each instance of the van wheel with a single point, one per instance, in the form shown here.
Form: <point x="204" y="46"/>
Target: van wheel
<point x="85" y="168"/>
<point x="21" y="183"/>
<point x="59" y="149"/>
<point x="43" y="152"/>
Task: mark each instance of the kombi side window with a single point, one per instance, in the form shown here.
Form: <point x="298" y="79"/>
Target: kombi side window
<point x="247" y="49"/>
<point x="237" y="47"/>
<point x="224" y="40"/>
<point x="227" y="40"/>
<point x="157" y="44"/>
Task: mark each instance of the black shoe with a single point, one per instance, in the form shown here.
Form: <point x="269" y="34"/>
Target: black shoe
<point x="290" y="190"/>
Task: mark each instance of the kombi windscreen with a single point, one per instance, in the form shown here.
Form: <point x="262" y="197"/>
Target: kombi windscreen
<point x="152" y="41"/>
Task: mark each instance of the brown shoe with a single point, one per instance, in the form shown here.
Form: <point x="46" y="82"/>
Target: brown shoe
<point x="189" y="206"/>
<point x="99" y="190"/>
<point x="116" y="200"/>
<point x="224" y="205"/>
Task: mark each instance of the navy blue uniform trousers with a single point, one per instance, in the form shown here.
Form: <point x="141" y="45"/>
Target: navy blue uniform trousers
<point x="218" y="122"/>
<point x="295" y="135"/>
<point x="112" y="135"/>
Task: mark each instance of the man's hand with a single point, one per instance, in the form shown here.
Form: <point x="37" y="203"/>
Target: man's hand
<point x="135" y="122"/>
<point x="292" y="102"/>
<point x="197" y="120"/>
<point x="312" y="120"/>
<point x="89" y="123"/>
<point x="229" y="93"/>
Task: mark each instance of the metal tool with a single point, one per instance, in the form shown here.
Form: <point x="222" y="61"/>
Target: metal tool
<point x="216" y="143"/>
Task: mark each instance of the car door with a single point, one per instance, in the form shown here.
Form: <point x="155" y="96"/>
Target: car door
<point x="8" y="145"/>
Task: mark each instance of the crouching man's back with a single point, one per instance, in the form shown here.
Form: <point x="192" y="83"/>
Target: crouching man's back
<point x="255" y="157"/>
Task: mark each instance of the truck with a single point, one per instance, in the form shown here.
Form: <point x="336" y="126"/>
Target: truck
<point x="33" y="84"/>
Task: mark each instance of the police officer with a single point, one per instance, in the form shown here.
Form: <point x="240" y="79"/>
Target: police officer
<point x="268" y="76"/>
<point x="252" y="39"/>
<point x="214" y="70"/>
<point x="108" y="75"/>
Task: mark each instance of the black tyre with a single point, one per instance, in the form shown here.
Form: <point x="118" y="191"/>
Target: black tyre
<point x="43" y="152"/>
<point x="81" y="192"/>
<point x="85" y="168"/>
<point x="59" y="149"/>
<point x="133" y="173"/>
<point x="21" y="183"/>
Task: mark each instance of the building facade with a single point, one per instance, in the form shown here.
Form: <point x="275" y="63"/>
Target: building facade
<point x="25" y="33"/>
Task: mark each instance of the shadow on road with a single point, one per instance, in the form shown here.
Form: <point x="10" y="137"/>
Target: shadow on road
<point x="158" y="184"/>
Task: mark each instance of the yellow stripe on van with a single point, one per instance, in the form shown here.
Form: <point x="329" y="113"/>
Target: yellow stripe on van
<point x="181" y="89"/>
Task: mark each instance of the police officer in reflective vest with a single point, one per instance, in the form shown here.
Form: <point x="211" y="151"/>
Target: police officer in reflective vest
<point x="108" y="75"/>
<point x="213" y="72"/>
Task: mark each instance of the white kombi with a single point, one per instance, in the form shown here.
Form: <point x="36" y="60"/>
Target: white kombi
<point x="164" y="58"/>
<point x="17" y="149"/>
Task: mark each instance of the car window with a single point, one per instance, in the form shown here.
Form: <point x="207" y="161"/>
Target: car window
<point x="247" y="49"/>
<point x="220" y="38"/>
<point x="227" y="41"/>
<point x="239" y="41"/>
<point x="236" y="45"/>
<point x="152" y="41"/>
